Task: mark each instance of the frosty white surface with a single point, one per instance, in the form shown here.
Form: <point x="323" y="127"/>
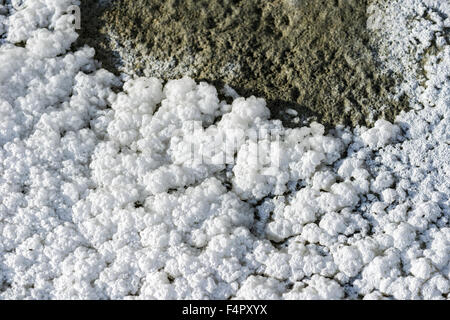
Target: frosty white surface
<point x="97" y="199"/>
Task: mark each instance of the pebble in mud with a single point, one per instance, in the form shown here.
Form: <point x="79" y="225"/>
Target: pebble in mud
<point x="314" y="57"/>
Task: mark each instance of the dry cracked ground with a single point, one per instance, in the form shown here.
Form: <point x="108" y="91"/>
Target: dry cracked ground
<point x="315" y="57"/>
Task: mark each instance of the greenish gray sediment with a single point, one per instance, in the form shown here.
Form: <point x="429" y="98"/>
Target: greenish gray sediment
<point x="312" y="56"/>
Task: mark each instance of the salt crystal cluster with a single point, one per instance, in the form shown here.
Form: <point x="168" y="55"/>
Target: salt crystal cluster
<point x="101" y="199"/>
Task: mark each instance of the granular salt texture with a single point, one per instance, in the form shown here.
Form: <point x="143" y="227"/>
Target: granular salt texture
<point x="98" y="199"/>
<point x="410" y="32"/>
<point x="52" y="113"/>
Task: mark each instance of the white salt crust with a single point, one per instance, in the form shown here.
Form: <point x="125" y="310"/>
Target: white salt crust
<point x="99" y="201"/>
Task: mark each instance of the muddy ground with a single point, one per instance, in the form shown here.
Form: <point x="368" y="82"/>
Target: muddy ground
<point x="313" y="56"/>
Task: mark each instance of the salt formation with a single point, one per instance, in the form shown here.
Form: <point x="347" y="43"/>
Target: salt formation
<point x="100" y="200"/>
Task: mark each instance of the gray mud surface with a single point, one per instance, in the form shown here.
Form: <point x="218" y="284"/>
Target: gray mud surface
<point x="309" y="55"/>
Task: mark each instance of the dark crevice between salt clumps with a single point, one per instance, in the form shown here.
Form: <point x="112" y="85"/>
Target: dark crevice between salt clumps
<point x="312" y="56"/>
